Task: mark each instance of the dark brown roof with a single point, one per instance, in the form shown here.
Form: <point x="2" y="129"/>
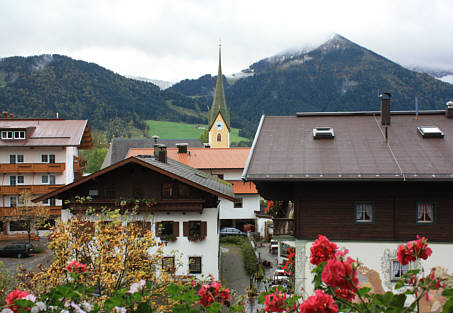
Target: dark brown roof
<point x="284" y="148"/>
<point x="48" y="132"/>
<point x="174" y="169"/>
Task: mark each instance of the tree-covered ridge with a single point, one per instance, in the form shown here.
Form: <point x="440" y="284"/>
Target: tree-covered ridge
<point x="41" y="86"/>
<point x="337" y="76"/>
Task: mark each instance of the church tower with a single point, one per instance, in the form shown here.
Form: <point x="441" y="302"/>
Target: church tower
<point x="219" y="116"/>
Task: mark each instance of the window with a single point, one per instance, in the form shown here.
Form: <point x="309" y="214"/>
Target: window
<point x="16" y="158"/>
<point x="48" y="158"/>
<point x="195" y="230"/>
<point x="238" y="203"/>
<point x="364" y="212"/>
<point x="19" y="134"/>
<point x="167" y="191"/>
<point x="139" y="228"/>
<point x="167" y="230"/>
<point x="430" y="132"/>
<point x="7" y="134"/>
<point x="219" y="137"/>
<point x="46" y="225"/>
<point x="18" y="225"/>
<point x="220" y="176"/>
<point x="183" y="191"/>
<point x="195" y="265"/>
<point x="48" y="179"/>
<point x="425" y="213"/>
<point x="398" y="270"/>
<point x="50" y="201"/>
<point x="13" y="201"/>
<point x="168" y="264"/>
<point x="110" y="191"/>
<point x="16" y="180"/>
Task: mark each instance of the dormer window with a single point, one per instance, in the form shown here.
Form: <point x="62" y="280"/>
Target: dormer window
<point x="323" y="132"/>
<point x="13" y="134"/>
<point x="430" y="132"/>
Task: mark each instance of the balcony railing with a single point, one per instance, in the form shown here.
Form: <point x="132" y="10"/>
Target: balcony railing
<point x="32" y="189"/>
<point x="8" y="211"/>
<point x="164" y="205"/>
<point x="32" y="168"/>
<point x="284" y="226"/>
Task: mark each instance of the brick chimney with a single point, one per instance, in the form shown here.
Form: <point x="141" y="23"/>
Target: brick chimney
<point x="385" y="108"/>
<point x="449" y="110"/>
<point x="5" y="114"/>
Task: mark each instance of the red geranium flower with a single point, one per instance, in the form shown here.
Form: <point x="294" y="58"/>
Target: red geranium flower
<point x="214" y="292"/>
<point x="13" y="296"/>
<point x="275" y="302"/>
<point x="319" y="303"/>
<point x="322" y="250"/>
<point x="75" y="266"/>
<point x="340" y="274"/>
<point x="413" y="250"/>
<point x="344" y="294"/>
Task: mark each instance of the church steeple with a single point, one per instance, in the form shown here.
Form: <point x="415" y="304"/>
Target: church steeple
<point x="219" y="103"/>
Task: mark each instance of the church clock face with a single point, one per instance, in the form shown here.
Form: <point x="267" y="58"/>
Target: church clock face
<point x="219" y="125"/>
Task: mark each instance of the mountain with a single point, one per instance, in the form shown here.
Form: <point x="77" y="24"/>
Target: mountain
<point x="445" y="75"/>
<point x="42" y="86"/>
<point x="162" y="84"/>
<point x="339" y="75"/>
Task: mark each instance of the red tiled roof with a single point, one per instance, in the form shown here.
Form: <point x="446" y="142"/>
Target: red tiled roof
<point x="204" y="158"/>
<point x="240" y="187"/>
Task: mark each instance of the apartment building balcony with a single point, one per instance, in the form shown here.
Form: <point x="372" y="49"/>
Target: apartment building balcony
<point x="284" y="226"/>
<point x="31" y="189"/>
<point x="53" y="210"/>
<point x="32" y="168"/>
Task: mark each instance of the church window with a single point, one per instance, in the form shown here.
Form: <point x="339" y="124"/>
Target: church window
<point x="219" y="137"/>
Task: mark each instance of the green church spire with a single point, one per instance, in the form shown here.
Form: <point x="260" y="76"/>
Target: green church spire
<point x="219" y="103"/>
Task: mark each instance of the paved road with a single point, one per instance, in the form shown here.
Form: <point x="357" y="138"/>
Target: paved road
<point x="31" y="262"/>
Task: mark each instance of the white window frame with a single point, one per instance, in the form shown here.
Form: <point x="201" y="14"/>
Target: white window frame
<point x="396" y="266"/>
<point x="48" y="158"/>
<point x="19" y="134"/>
<point x="424" y="213"/>
<point x="359" y="206"/>
<point x="8" y="134"/>
<point x="16" y="180"/>
<point x="16" y="158"/>
<point x="48" y="179"/>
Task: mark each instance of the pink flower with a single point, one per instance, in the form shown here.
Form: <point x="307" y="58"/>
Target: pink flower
<point x="319" y="303"/>
<point x="340" y="274"/>
<point x="413" y="250"/>
<point x="77" y="267"/>
<point x="322" y="250"/>
<point x="13" y="296"/>
<point x="275" y="302"/>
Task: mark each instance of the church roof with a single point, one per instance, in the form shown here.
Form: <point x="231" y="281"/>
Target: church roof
<point x="219" y="103"/>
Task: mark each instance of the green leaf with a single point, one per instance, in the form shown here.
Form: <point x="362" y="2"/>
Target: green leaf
<point x="399" y="284"/>
<point x="364" y="291"/>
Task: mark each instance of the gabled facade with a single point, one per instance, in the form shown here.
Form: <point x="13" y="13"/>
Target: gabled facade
<point x="176" y="202"/>
<point x="368" y="180"/>
<point x="37" y="156"/>
<point x="219" y="115"/>
<point x="227" y="164"/>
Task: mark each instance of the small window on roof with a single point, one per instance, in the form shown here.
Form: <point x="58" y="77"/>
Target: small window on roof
<point x="430" y="132"/>
<point x="323" y="132"/>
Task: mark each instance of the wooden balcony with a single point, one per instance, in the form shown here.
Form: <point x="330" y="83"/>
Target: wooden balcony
<point x="32" y="168"/>
<point x="31" y="189"/>
<point x="8" y="211"/>
<point x="79" y="164"/>
<point x="173" y="205"/>
<point x="284" y="226"/>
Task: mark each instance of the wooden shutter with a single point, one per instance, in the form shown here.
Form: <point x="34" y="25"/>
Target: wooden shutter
<point x="157" y="229"/>
<point x="176" y="229"/>
<point x="204" y="229"/>
<point x="185" y="229"/>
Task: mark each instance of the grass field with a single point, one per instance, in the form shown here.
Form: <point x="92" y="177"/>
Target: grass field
<point x="172" y="130"/>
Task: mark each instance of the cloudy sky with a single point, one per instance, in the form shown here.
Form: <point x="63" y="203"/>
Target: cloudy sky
<point x="176" y="39"/>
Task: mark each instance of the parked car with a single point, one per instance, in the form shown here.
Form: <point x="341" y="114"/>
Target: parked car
<point x="231" y="231"/>
<point x="18" y="249"/>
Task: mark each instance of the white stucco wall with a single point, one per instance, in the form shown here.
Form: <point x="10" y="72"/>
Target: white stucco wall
<point x="183" y="248"/>
<point x="234" y="174"/>
<point x="33" y="155"/>
<point x="260" y="224"/>
<point x="71" y="152"/>
<point x="250" y="204"/>
<point x="376" y="256"/>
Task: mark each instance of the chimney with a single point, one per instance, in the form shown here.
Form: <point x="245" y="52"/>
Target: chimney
<point x="206" y="145"/>
<point x="5" y="114"/>
<point x="449" y="110"/>
<point x="161" y="153"/>
<point x="155" y="137"/>
<point x="11" y="115"/>
<point x="182" y="147"/>
<point x="385" y="108"/>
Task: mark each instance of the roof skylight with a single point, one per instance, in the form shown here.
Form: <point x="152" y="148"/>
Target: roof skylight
<point x="323" y="132"/>
<point x="430" y="132"/>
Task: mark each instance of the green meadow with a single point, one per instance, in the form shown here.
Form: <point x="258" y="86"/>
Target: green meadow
<point x="174" y="130"/>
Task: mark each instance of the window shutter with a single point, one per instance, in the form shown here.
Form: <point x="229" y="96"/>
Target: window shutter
<point x="204" y="229"/>
<point x="185" y="229"/>
<point x="157" y="229"/>
<point x="176" y="229"/>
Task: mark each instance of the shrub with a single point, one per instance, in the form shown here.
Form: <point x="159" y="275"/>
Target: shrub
<point x="5" y="282"/>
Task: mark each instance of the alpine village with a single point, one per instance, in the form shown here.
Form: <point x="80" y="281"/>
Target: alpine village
<point x="320" y="181"/>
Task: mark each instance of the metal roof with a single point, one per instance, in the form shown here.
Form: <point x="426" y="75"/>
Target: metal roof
<point x="47" y="132"/>
<point x="284" y="148"/>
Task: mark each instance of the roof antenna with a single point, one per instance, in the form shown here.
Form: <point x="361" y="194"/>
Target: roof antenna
<point x="416" y="108"/>
<point x="386" y="135"/>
